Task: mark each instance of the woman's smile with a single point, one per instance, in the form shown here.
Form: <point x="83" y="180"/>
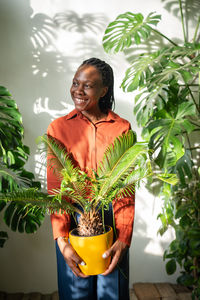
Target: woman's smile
<point x="79" y="101"/>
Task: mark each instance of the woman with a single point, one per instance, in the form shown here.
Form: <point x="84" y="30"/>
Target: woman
<point x="86" y="132"/>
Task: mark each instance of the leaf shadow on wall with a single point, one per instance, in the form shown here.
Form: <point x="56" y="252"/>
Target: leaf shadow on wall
<point x="71" y="21"/>
<point x="42" y="74"/>
<point x="191" y="10"/>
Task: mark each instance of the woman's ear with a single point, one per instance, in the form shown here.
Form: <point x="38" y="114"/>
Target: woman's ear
<point x="104" y="91"/>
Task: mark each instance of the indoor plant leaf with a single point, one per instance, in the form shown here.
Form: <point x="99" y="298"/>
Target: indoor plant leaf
<point x="127" y="29"/>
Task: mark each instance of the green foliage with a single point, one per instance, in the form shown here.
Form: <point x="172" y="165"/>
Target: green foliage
<point x="156" y="69"/>
<point x="13" y="156"/>
<point x="125" y="163"/>
<point x="127" y="28"/>
<point x="167" y="106"/>
<point x="185" y="249"/>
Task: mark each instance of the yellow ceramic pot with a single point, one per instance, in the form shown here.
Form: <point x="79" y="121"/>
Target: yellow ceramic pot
<point x="91" y="249"/>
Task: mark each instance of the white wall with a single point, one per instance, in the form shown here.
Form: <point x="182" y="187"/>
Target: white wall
<point x="37" y="62"/>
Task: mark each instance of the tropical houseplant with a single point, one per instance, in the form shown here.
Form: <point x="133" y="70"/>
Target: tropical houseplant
<point x="125" y="163"/>
<point x="165" y="79"/>
<point x="13" y="175"/>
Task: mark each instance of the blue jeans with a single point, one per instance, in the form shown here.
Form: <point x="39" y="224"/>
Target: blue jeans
<point x="114" y="286"/>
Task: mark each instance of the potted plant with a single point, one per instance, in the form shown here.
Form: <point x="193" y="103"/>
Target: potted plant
<point x="124" y="165"/>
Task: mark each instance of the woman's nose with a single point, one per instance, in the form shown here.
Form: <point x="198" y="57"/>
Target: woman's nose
<point x="80" y="89"/>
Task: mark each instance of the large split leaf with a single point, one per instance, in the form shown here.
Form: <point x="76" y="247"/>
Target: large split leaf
<point x="128" y="28"/>
<point x="166" y="132"/>
<point x="13" y="157"/>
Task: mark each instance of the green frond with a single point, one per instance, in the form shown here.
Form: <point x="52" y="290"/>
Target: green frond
<point x="57" y="153"/>
<point x="114" y="152"/>
<point x="32" y="200"/>
<point x="125" y="163"/>
<point x="126" y="191"/>
<point x="168" y="178"/>
<point x="58" y="158"/>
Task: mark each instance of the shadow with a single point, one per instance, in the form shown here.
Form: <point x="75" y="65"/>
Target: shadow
<point x="89" y="48"/>
<point x="71" y="21"/>
<point x="191" y="10"/>
<point x="43" y="31"/>
<point x="46" y="71"/>
<point x="154" y="43"/>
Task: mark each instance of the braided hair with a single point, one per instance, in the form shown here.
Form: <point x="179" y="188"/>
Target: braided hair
<point x="108" y="101"/>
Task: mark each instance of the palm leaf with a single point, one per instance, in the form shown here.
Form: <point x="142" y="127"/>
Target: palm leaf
<point x="76" y="188"/>
<point x="115" y="151"/>
<point x="127" y="29"/>
<point x="58" y="157"/>
<point x="31" y="200"/>
<point x="119" y="161"/>
<point x="74" y="183"/>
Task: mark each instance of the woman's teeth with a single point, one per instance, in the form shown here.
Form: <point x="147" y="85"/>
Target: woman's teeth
<point x="79" y="100"/>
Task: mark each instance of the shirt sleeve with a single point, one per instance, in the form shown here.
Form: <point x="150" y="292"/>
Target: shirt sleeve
<point x="60" y="221"/>
<point x="124" y="212"/>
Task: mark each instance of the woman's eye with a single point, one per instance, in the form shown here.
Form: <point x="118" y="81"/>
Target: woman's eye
<point x="75" y="83"/>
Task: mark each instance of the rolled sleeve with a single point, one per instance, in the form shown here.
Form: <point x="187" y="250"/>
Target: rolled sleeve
<point x="124" y="211"/>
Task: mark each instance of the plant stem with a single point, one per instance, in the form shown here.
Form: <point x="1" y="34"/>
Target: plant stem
<point x="161" y="34"/>
<point x="197" y="107"/>
<point x="182" y="20"/>
<point x="196" y="30"/>
<point x="190" y="84"/>
<point x="189" y="144"/>
<point x="199" y="88"/>
<point x="114" y="227"/>
<point x="193" y="148"/>
<point x="103" y="220"/>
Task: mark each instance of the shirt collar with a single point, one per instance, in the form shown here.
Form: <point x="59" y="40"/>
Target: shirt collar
<point x="111" y="116"/>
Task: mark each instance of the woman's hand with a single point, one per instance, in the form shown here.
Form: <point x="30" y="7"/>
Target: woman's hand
<point x="71" y="257"/>
<point x="116" y="252"/>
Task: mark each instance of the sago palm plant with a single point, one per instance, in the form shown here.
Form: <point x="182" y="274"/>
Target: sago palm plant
<point x="124" y="165"/>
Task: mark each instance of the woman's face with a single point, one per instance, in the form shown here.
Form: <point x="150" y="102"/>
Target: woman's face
<point x="86" y="90"/>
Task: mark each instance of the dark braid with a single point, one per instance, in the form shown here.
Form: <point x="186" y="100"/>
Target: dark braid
<point x="108" y="101"/>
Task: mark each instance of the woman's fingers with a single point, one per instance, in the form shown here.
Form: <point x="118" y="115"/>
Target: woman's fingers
<point x="71" y="257"/>
<point x="116" y="252"/>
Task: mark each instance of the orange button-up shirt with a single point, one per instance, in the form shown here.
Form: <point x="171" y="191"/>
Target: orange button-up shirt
<point x="87" y="142"/>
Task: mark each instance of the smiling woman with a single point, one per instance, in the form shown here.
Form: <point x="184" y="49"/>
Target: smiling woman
<point x="86" y="132"/>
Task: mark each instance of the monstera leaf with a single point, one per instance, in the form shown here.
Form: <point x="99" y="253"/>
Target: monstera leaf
<point x="13" y="157"/>
<point x="167" y="132"/>
<point x="127" y="29"/>
<point x="158" y="68"/>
